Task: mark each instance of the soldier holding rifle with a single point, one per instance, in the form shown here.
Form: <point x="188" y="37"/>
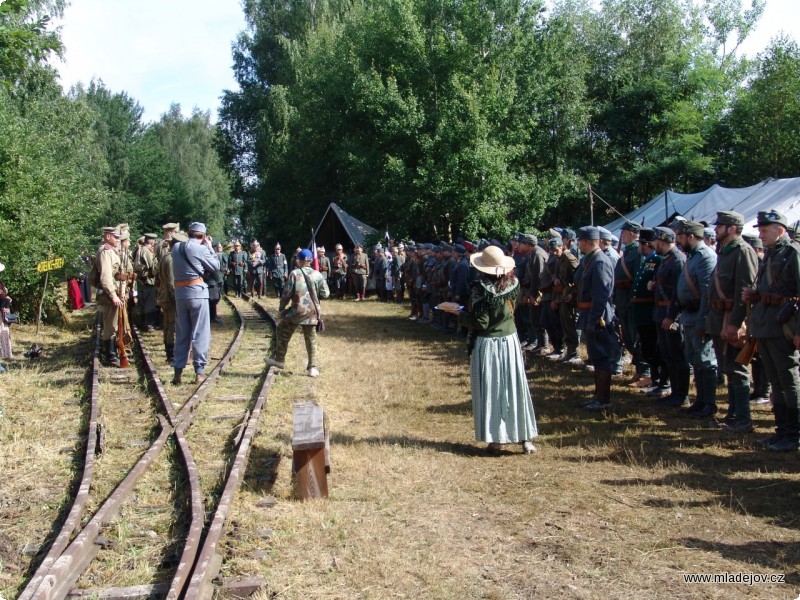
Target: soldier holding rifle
<point x="774" y="324"/>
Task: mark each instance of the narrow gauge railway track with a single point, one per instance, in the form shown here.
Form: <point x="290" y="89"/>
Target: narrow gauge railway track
<point x="211" y="483"/>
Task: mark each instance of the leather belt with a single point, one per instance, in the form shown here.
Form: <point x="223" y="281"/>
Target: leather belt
<point x="663" y="303"/>
<point x="189" y="282"/>
<point x="771" y="299"/>
<point x="726" y="305"/>
<point x="642" y="300"/>
<point x="584" y="305"/>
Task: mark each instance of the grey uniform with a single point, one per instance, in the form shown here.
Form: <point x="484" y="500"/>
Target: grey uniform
<point x="190" y="260"/>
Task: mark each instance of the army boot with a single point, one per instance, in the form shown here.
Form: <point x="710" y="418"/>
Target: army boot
<point x="112" y="360"/>
<point x="169" y="350"/>
<point x="176" y="379"/>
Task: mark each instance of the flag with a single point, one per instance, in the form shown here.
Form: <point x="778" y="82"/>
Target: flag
<point x="314" y="259"/>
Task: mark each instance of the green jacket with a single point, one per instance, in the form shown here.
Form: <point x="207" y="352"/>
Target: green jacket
<point x="736" y="268"/>
<point x="490" y="313"/>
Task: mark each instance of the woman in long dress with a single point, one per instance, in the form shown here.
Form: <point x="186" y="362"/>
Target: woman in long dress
<point x="501" y="400"/>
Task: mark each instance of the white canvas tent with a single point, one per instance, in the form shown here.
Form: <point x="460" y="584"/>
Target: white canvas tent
<point x="782" y="195"/>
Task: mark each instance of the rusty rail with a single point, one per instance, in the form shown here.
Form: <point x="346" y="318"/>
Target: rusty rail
<point x="81" y="497"/>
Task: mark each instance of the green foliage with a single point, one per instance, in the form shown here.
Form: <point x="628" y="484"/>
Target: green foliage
<point x="24" y="39"/>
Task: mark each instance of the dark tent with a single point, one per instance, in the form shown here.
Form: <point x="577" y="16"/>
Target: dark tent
<point x="338" y="227"/>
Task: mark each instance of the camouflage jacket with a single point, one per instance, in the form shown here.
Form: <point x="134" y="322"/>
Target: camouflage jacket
<point x="296" y="304"/>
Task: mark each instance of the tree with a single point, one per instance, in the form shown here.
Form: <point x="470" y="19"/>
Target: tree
<point x="24" y="39"/>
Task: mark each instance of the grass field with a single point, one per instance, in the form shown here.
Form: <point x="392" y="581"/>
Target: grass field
<point x="615" y="506"/>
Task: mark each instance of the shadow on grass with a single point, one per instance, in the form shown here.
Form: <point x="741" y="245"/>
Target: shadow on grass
<point x="262" y="469"/>
<point x="771" y="555"/>
<point x="406" y="441"/>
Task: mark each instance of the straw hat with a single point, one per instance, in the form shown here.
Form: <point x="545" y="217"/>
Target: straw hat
<point x="492" y="261"/>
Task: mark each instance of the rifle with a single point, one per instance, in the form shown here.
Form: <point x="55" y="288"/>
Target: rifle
<point x="745" y="355"/>
<point x="123" y="356"/>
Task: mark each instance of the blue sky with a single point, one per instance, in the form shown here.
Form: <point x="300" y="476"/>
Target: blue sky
<point x="164" y="51"/>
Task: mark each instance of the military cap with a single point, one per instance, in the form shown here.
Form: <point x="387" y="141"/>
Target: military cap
<point x="411" y="248"/>
<point x="238" y="243"/>
<point x="555" y="232"/>
<point x="692" y="228"/>
<point x="305" y="254"/>
<point x="468" y="246"/>
<point x="708" y="232"/>
<point x="338" y="247"/>
<point x="665" y="234"/>
<point x="753" y="240"/>
<point x="771" y="217"/>
<point x="460" y="249"/>
<point x="180" y="236"/>
<point x="605" y="234"/>
<point x="483" y="245"/>
<point x="589" y="233"/>
<point x="496" y="242"/>
<point x="122" y="226"/>
<point x="112" y="230"/>
<point x="445" y="247"/>
<point x="197" y="227"/>
<point x="410" y="243"/>
<point x="556" y="242"/>
<point x="729" y="217"/>
<point x="527" y="238"/>
<point x="631" y="226"/>
<point x="140" y="240"/>
<point x="169" y="226"/>
<point x="646" y="235"/>
<point x="568" y="233"/>
<point x="150" y="236"/>
<point x="125" y="235"/>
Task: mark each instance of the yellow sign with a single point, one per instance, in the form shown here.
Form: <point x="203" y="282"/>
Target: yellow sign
<point x="50" y="265"/>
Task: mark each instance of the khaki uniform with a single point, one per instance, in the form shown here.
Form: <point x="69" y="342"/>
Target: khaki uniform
<point x="108" y="264"/>
<point x="166" y="300"/>
<point x="564" y="293"/>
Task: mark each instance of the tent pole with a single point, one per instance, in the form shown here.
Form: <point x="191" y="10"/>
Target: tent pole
<point x="591" y="206"/>
<point x="666" y="204"/>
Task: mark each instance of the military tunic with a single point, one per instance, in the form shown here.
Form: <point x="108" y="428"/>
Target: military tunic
<point x="359" y="267"/>
<point x="237" y="263"/>
<point x="778" y="282"/>
<point x="624" y="272"/>
<point x="298" y="308"/>
<point x="670" y="343"/>
<point x="278" y="271"/>
<point x="339" y="274"/>
<point x="564" y="295"/>
<point x="190" y="260"/>
<point x="596" y="313"/>
<point x="255" y="267"/>
<point x="145" y="268"/>
<point x="551" y="321"/>
<point x="108" y="262"/>
<point x="166" y="300"/>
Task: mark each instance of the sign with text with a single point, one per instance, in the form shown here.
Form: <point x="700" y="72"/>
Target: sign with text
<point x="50" y="265"/>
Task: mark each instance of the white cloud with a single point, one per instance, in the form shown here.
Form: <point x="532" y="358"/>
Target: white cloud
<point x="158" y="52"/>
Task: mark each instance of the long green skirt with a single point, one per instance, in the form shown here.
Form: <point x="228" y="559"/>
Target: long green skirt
<point x="501" y="399"/>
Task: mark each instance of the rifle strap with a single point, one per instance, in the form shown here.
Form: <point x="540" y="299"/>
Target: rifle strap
<point x="692" y="287"/>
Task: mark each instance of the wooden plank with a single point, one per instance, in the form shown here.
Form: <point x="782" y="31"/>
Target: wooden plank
<point x="134" y="592"/>
<point x="310" y="478"/>
<point x="309" y="430"/>
<point x="241" y="587"/>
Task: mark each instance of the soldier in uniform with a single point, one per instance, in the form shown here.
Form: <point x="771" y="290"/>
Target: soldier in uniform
<point x="166" y="294"/>
<point x="596" y="316"/>
<point x="163" y="247"/>
<point x="607" y="245"/>
<point x="642" y="304"/>
<point x="126" y="267"/>
<point x="670" y="335"/>
<point x="624" y="271"/>
<point x="145" y="268"/>
<point x="278" y="270"/>
<point x="564" y="296"/>
<point x="190" y="260"/>
<point x="107" y="266"/>
<point x="360" y="269"/>
<point x="398" y="262"/>
<point x="774" y="324"/>
<point x="224" y="270"/>
<point x="339" y="266"/>
<point x="237" y="263"/>
<point x="255" y="266"/>
<point x="380" y="267"/>
<point x="693" y="297"/>
<point x="550" y="318"/>
<point x="761" y="388"/>
<point x="299" y="305"/>
<point x="534" y="273"/>
<point x="324" y="264"/>
<point x="736" y="270"/>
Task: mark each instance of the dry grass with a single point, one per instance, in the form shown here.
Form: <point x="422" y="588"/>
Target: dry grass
<point x="610" y="507"/>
